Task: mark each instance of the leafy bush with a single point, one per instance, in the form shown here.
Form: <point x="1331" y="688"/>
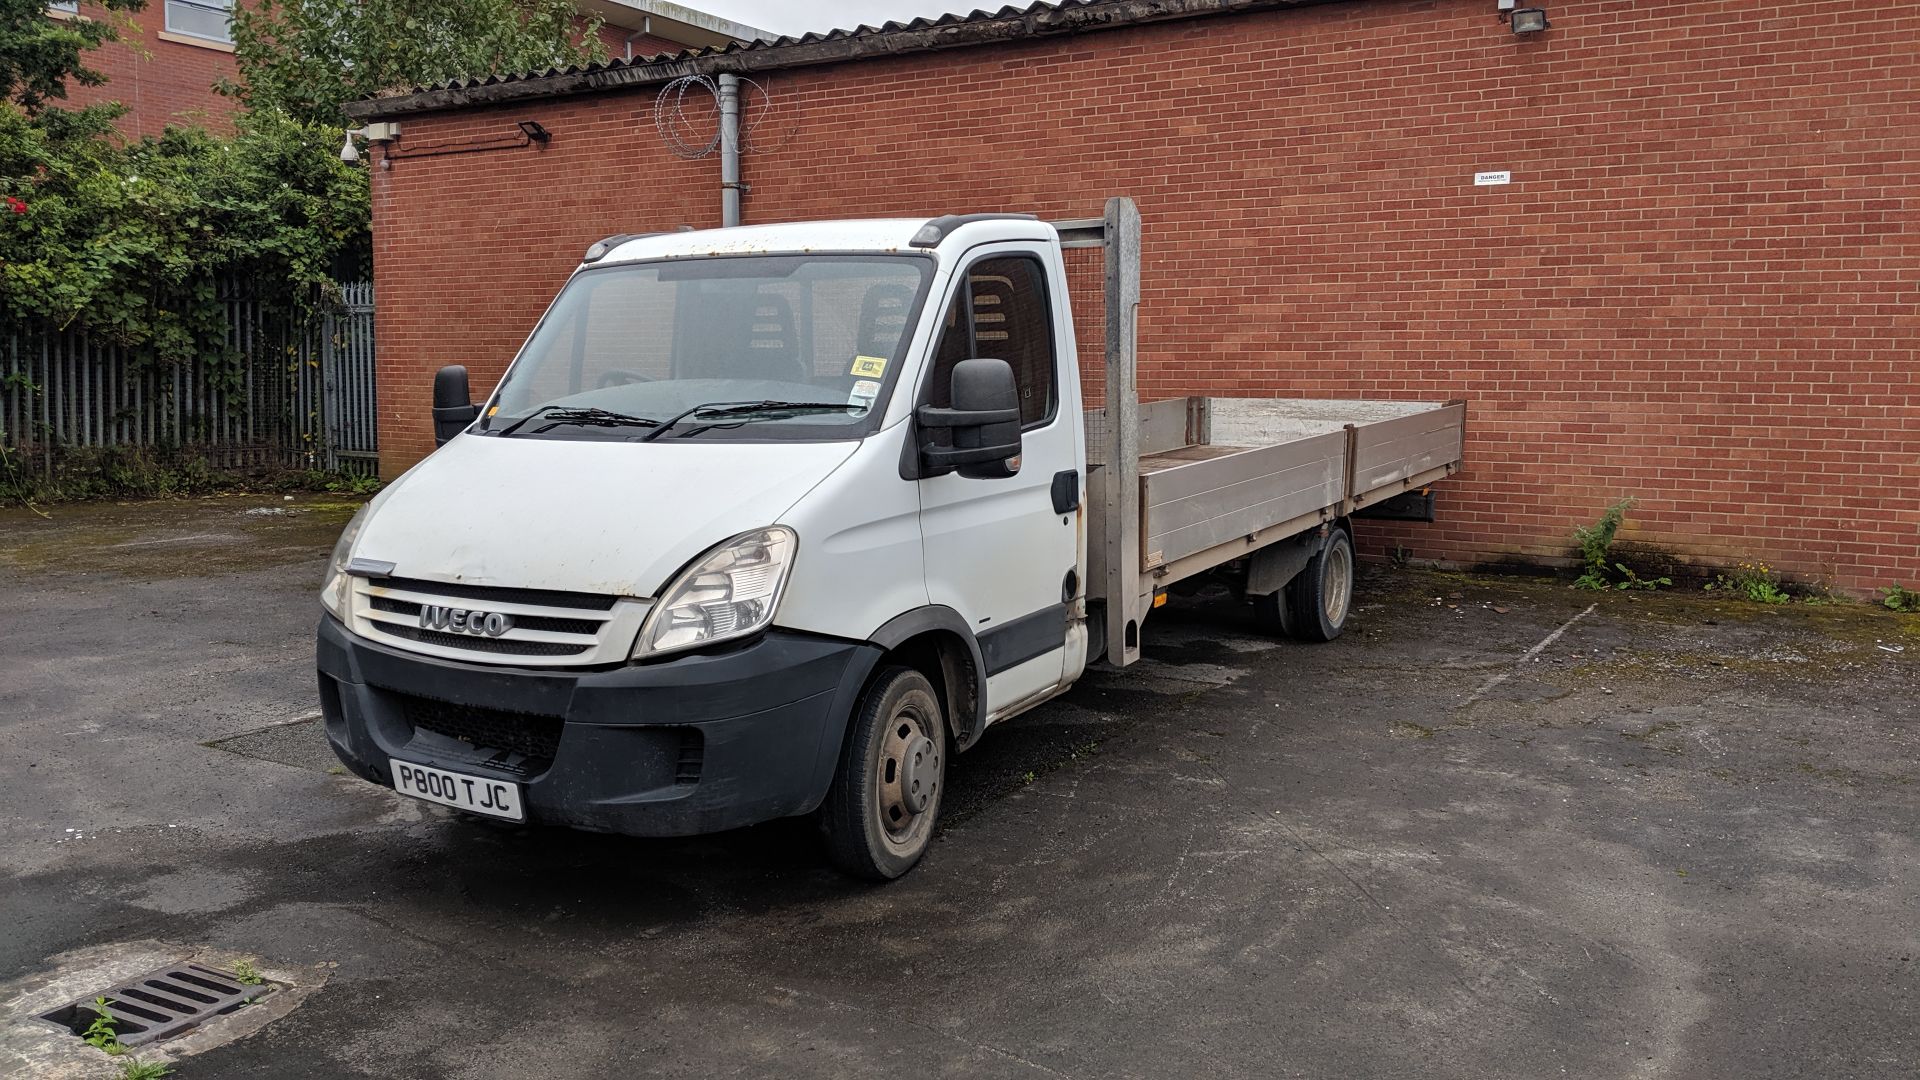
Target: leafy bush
<point x="40" y="57"/>
<point x="304" y="58"/>
<point x="127" y="240"/>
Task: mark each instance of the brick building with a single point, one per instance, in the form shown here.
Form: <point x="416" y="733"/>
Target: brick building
<point x="164" y="66"/>
<point x="168" y="60"/>
<point x="1700" y="287"/>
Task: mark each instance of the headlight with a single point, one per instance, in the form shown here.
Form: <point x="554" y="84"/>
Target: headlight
<point x="731" y="592"/>
<point x="333" y="595"/>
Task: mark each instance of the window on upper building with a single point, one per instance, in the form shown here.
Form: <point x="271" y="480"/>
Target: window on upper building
<point x="200" y="18"/>
<point x="71" y="7"/>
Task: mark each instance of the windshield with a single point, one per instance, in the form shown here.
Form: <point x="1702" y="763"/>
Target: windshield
<point x="810" y="344"/>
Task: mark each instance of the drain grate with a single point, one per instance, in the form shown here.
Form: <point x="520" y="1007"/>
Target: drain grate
<point x="161" y="1003"/>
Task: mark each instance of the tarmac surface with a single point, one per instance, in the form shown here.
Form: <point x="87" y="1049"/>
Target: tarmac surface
<point x="1491" y="832"/>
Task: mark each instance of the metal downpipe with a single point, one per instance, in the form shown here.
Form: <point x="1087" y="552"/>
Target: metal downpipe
<point x="730" y="186"/>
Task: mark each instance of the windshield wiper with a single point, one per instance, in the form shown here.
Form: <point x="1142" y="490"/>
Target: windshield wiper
<point x="590" y="417"/>
<point x="719" y="409"/>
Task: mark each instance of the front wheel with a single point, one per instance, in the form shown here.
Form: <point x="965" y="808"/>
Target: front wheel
<point x="879" y="817"/>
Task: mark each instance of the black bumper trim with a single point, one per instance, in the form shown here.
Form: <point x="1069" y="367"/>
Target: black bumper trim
<point x="767" y="719"/>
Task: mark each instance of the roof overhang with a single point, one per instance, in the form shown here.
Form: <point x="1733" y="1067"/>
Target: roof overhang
<point x="674" y="22"/>
<point x="840" y="46"/>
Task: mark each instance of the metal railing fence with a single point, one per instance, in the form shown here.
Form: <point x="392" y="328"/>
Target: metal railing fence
<point x="282" y="391"/>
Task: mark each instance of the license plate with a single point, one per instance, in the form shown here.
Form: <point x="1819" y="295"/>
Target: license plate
<point x="494" y="798"/>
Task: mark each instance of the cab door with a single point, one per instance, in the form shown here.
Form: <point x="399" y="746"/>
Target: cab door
<point x="996" y="549"/>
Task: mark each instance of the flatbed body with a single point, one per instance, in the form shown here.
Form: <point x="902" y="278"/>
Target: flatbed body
<point x="1246" y="470"/>
<point x="1183" y="486"/>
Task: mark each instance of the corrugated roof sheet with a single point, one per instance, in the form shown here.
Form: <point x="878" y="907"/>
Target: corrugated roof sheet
<point x="980" y="27"/>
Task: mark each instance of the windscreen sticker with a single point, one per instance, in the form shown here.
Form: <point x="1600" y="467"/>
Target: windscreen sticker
<point x="869" y="367"/>
<point x="863" y="393"/>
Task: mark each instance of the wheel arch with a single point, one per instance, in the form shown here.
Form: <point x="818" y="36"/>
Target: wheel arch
<point x="936" y="641"/>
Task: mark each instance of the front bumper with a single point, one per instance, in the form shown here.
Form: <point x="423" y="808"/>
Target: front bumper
<point x="694" y="744"/>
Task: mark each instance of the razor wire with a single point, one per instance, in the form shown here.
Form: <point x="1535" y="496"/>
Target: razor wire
<point x="687" y="108"/>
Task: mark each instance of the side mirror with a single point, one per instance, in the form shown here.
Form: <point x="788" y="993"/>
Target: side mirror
<point x="984" y="420"/>
<point x="453" y="407"/>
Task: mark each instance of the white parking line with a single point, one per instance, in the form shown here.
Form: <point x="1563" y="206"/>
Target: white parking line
<point x="171" y="540"/>
<point x="1526" y="656"/>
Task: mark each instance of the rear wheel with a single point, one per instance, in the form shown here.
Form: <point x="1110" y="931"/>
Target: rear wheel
<point x="879" y="817"/>
<point x="1319" y="598"/>
<point x="1270" y="612"/>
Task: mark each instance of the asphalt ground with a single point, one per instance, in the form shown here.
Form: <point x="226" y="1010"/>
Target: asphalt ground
<point x="1678" y="839"/>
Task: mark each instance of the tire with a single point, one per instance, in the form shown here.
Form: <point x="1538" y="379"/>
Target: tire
<point x="1271" y="615"/>
<point x="875" y="826"/>
<point x="1320" y="597"/>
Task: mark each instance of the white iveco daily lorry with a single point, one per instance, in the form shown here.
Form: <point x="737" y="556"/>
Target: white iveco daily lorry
<point x="774" y="520"/>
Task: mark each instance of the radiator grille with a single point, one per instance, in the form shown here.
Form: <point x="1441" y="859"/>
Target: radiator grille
<point x="531" y="627"/>
<point x="524" y="622"/>
<point x="484" y="644"/>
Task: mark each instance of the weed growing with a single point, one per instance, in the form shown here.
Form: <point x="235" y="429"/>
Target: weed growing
<point x="1750" y="581"/>
<point x="79" y="473"/>
<point x="1898" y="597"/>
<point x="246" y="973"/>
<point x="1596" y="546"/>
<point x="1631" y="580"/>
<point x="100" y="1034"/>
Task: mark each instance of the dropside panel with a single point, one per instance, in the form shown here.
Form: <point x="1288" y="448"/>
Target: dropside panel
<point x="1203" y="504"/>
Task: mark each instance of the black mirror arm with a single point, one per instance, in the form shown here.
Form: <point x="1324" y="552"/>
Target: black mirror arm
<point x="940" y="459"/>
<point x="932" y="416"/>
<point x="448" y="422"/>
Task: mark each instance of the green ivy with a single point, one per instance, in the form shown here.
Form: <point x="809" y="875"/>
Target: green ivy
<point x="128" y="240"/>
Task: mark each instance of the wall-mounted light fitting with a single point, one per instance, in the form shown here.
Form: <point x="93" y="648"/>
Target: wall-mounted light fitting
<point x="534" y="131"/>
<point x="1529" y="20"/>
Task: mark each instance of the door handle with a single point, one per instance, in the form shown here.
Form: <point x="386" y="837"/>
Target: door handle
<point x="1066" y="491"/>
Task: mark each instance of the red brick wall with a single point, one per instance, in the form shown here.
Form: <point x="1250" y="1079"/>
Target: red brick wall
<point x="160" y="81"/>
<point x="1701" y="290"/>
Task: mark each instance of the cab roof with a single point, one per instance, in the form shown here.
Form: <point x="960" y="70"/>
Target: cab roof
<point x="883" y="235"/>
